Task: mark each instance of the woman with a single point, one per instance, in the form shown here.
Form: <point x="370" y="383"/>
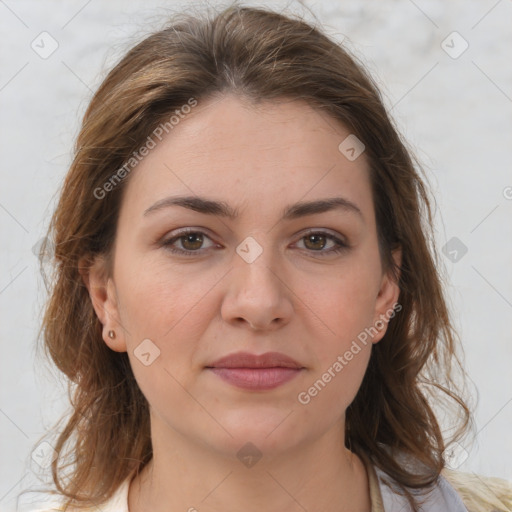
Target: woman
<point x="246" y="297"/>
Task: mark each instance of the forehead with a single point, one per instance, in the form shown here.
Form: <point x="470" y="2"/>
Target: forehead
<point x="251" y="156"/>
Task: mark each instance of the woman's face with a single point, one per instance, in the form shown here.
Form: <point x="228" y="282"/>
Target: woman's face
<point x="269" y="279"/>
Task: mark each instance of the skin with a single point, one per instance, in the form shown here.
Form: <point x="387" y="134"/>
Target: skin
<point x="290" y="299"/>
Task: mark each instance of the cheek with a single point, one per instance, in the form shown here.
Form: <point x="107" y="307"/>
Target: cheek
<point x="156" y="297"/>
<point x="170" y="313"/>
<point x="342" y="346"/>
<point x="326" y="397"/>
<point x="345" y="304"/>
<point x="168" y="307"/>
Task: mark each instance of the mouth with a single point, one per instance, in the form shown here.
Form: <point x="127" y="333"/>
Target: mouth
<point x="256" y="378"/>
<point x="256" y="372"/>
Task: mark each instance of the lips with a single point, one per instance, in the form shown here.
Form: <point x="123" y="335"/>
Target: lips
<point x="256" y="372"/>
<point x="248" y="360"/>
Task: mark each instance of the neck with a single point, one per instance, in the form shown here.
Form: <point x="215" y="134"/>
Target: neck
<point x="183" y="475"/>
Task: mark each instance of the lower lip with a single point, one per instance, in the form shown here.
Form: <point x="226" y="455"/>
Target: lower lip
<point x="256" y="378"/>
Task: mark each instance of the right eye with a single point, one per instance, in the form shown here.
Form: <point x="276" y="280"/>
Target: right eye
<point x="190" y="239"/>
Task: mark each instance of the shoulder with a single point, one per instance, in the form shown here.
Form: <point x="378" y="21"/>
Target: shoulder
<point x="481" y="493"/>
<point x="117" y="503"/>
<point x="455" y="491"/>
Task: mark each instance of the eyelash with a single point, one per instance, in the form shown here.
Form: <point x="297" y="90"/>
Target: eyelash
<point x="340" y="245"/>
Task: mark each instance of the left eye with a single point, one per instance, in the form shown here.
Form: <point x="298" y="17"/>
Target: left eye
<point x="313" y="238"/>
<point x="191" y="242"/>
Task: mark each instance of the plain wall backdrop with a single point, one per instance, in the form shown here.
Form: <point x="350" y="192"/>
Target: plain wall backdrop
<point x="444" y="69"/>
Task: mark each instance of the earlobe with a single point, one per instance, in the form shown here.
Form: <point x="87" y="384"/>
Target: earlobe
<point x="104" y="301"/>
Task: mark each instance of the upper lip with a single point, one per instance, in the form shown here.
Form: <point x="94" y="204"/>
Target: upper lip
<point x="248" y="360"/>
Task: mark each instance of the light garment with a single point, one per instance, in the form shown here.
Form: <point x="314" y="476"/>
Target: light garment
<point x="443" y="498"/>
<point x="455" y="492"/>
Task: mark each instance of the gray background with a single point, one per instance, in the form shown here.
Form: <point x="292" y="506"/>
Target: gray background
<point x="454" y="109"/>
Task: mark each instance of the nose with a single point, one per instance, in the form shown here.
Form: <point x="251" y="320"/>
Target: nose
<point x="258" y="295"/>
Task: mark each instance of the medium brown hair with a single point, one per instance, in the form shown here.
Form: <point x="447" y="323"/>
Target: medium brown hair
<point x="259" y="55"/>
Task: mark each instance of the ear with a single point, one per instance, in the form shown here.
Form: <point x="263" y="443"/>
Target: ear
<point x="102" y="293"/>
<point x="386" y="305"/>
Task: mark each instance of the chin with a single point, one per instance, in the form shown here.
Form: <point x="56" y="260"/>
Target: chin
<point x="269" y="429"/>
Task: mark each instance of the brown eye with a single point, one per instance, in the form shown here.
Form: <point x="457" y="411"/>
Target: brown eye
<point x="315" y="242"/>
<point x="192" y="241"/>
<point x="318" y="241"/>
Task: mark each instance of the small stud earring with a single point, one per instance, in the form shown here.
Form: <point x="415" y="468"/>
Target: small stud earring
<point x="111" y="334"/>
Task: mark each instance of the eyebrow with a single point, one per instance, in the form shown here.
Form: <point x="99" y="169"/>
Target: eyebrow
<point x="222" y="209"/>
